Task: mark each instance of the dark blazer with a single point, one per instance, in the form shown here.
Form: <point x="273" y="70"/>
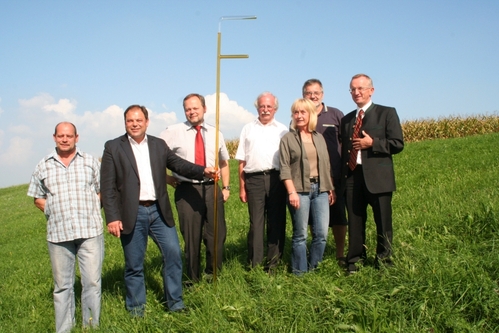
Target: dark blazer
<point x="120" y="183"/>
<point x="383" y="125"/>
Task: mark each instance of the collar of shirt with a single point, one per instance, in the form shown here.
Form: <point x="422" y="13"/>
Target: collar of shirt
<point x="133" y="142"/>
<point x="364" y="108"/>
<point x="270" y="123"/>
<point x="192" y="127"/>
<point x="55" y="156"/>
<point x="324" y="109"/>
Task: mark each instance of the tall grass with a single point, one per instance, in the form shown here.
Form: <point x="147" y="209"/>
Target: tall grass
<point x="445" y="279"/>
<point x="450" y="127"/>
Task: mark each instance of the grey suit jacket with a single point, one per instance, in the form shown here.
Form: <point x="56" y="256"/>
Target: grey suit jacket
<point x="383" y="125"/>
<point x="120" y="182"/>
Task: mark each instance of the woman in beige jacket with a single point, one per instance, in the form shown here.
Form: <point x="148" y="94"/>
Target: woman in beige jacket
<point x="306" y="173"/>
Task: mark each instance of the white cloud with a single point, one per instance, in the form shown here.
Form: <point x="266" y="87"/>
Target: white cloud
<point x="17" y="153"/>
<point x="159" y="121"/>
<point x="64" y="106"/>
<point x="36" y="102"/>
<point x="232" y="116"/>
<point x="101" y="124"/>
<point x="20" y="129"/>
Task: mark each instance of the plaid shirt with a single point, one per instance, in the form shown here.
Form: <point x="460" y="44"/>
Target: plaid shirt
<point x="73" y="206"/>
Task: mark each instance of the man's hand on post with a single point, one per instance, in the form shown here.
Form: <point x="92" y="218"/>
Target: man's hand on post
<point x="211" y="172"/>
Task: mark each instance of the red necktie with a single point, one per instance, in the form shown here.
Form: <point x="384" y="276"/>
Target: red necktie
<point x="199" y="147"/>
<point x="352" y="163"/>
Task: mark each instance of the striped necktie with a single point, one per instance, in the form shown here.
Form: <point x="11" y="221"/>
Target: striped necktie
<point x="352" y="162"/>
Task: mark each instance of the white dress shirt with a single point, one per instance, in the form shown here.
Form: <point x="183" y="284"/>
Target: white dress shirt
<point x="259" y="145"/>
<point x="141" y="153"/>
<point x="364" y="108"/>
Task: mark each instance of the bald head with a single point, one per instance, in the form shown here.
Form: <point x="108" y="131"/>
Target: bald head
<point x="65" y="123"/>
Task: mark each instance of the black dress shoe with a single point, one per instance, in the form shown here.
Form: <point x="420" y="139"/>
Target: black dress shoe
<point x="352" y="269"/>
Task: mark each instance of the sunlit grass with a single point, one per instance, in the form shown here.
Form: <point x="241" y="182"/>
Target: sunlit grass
<point x="446" y="224"/>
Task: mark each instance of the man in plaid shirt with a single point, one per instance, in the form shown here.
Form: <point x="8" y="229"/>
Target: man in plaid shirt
<point x="66" y="187"/>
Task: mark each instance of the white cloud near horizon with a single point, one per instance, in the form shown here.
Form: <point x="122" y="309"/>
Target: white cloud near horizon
<point x="64" y="107"/>
<point x="28" y="138"/>
<point x="17" y="152"/>
<point x="232" y="116"/>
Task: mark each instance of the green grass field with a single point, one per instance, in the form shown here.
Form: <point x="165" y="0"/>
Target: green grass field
<point x="446" y="243"/>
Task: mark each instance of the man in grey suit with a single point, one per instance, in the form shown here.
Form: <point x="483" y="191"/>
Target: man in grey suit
<point x="136" y="204"/>
<point x="370" y="135"/>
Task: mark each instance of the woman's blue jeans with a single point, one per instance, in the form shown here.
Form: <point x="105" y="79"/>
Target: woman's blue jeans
<point x="313" y="205"/>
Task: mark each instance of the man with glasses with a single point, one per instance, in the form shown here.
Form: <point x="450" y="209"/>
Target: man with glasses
<point x="370" y="135"/>
<point x="328" y="123"/>
<point x="259" y="182"/>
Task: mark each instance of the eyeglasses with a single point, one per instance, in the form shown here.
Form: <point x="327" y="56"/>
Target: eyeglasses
<point x="266" y="107"/>
<point x="353" y="90"/>
<point x="313" y="93"/>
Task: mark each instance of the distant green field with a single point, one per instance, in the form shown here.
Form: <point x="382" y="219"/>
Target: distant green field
<point x="445" y="279"/>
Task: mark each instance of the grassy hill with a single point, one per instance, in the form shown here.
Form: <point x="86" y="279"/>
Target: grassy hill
<point x="446" y="222"/>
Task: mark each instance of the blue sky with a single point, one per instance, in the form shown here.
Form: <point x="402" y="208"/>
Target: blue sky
<point x="86" y="61"/>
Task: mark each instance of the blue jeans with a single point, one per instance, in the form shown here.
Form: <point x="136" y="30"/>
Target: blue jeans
<point x="316" y="205"/>
<point x="90" y="253"/>
<point x="150" y="222"/>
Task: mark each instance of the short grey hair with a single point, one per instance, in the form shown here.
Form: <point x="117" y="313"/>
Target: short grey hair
<point x="266" y="93"/>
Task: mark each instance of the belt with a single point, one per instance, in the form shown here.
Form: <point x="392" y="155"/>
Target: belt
<point x="147" y="203"/>
<point x="314" y="180"/>
<point x="206" y="182"/>
<point x="264" y="172"/>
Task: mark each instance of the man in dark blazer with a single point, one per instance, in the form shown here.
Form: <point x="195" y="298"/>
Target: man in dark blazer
<point x="136" y="204"/>
<point x="367" y="171"/>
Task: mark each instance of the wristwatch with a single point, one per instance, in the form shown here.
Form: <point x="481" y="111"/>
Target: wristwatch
<point x="226" y="188"/>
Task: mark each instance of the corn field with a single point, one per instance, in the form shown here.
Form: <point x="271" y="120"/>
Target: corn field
<point x="429" y="129"/>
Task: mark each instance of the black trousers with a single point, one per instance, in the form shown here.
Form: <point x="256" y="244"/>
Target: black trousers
<point x="357" y="199"/>
<point x="195" y="206"/>
<point x="266" y="197"/>
<point x="337" y="213"/>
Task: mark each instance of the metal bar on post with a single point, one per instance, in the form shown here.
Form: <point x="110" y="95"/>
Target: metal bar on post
<point x="217" y="129"/>
<point x="215" y="195"/>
